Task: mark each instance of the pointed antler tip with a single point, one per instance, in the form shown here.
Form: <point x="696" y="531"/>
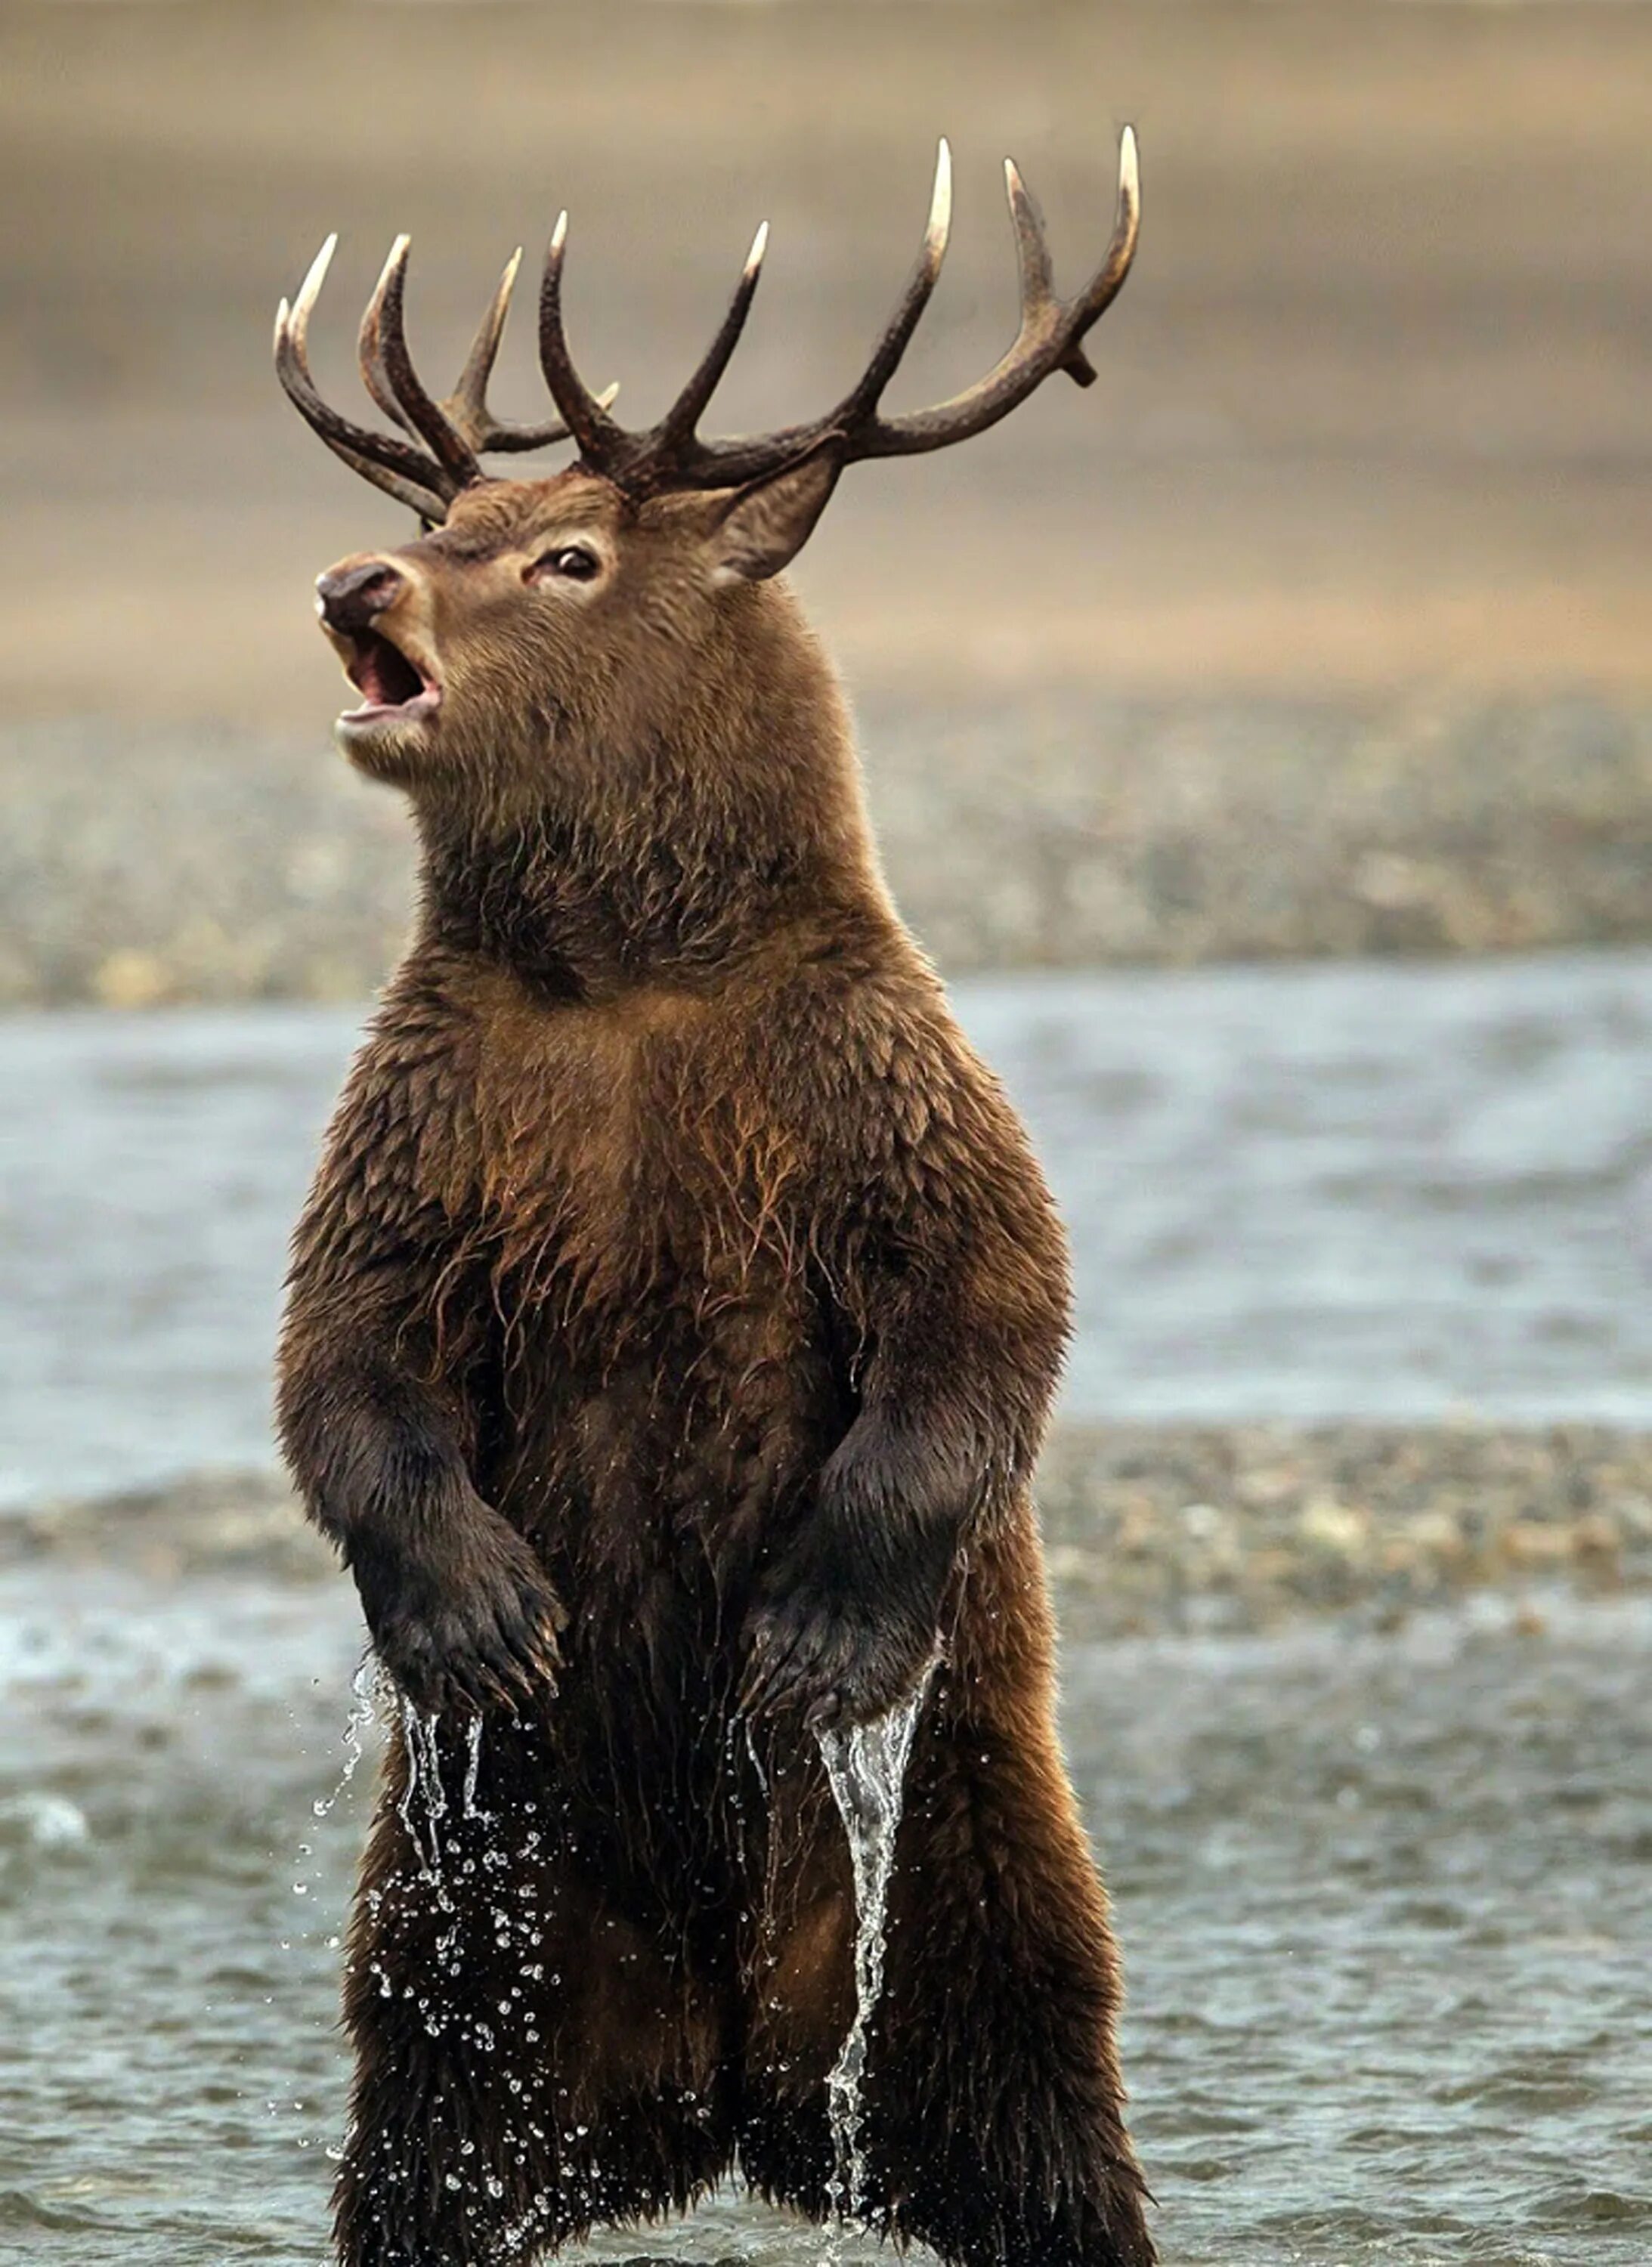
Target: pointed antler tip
<point x="941" y="202"/>
<point x="396" y="258"/>
<point x="1129" y="167"/>
<point x="559" y="234"/>
<point x="760" y="246"/>
<point x="609" y="395"/>
<point x="315" y="274"/>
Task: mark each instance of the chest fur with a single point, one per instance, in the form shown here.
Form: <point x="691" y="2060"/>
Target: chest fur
<point x="630" y="1156"/>
<point x="643" y="1213"/>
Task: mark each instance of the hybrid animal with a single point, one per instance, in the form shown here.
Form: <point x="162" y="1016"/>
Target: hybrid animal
<point x="672" y="1331"/>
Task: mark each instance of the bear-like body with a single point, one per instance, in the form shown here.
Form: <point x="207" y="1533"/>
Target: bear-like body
<point x="678" y="1307"/>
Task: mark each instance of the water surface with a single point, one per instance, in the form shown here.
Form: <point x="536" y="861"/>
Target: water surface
<point x="1383" y="1903"/>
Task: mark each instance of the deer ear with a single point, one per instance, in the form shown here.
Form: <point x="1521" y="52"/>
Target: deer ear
<point x="762" y="528"/>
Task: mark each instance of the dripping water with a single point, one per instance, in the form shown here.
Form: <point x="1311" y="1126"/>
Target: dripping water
<point x="473" y="1768"/>
<point x="423" y="1787"/>
<point x="867" y="1769"/>
<point x="363" y="1716"/>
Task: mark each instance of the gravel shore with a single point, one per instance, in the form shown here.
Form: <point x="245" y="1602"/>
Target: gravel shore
<point x="1149" y="1529"/>
<point x="170" y="864"/>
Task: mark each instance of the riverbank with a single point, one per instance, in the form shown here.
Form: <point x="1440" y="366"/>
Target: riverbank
<point x="1151" y="1530"/>
<point x="161" y="863"/>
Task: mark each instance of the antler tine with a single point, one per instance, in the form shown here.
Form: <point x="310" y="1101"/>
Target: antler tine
<point x="1032" y="251"/>
<point x="403" y="472"/>
<point x="471" y="393"/>
<point x="1108" y="281"/>
<point x="467" y="408"/>
<point x="370" y="355"/>
<point x="1050" y="337"/>
<point x="1038" y="283"/>
<point x="384" y="326"/>
<point x="602" y="443"/>
<point x="680" y="420"/>
<point x="885" y="359"/>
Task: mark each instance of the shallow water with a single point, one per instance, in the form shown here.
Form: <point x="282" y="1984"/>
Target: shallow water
<point x="1293" y="1191"/>
<point x="1383" y="1901"/>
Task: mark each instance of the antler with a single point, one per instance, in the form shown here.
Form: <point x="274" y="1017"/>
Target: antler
<point x="461" y="428"/>
<point x="457" y="431"/>
<point x="404" y="472"/>
<point x="388" y="375"/>
<point x="671" y="454"/>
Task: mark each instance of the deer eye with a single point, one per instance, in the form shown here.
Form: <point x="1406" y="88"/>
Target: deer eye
<point x="572" y="560"/>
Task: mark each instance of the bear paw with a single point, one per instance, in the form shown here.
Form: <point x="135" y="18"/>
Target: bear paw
<point x="830" y="1664"/>
<point x="478" y="1629"/>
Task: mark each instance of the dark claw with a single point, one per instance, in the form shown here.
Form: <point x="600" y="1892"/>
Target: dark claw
<point x="489" y="1642"/>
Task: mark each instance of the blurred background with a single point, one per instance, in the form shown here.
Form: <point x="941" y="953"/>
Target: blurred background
<point x="1263" y="740"/>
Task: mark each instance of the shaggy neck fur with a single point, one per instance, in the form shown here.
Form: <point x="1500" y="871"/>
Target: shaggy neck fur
<point x="650" y="854"/>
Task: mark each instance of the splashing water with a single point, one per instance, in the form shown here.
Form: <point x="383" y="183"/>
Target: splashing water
<point x="365" y="1714"/>
<point x="424" y="1781"/>
<point x="867" y="1768"/>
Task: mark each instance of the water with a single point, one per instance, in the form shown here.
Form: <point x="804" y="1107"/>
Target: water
<point x="1383" y="1903"/>
<point x="1302" y="1192"/>
<point x="867" y="1768"/>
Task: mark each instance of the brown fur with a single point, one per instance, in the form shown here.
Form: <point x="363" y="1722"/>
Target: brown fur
<point x="673" y="1328"/>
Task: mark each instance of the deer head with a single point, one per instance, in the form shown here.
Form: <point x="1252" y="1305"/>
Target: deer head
<point x="544" y="637"/>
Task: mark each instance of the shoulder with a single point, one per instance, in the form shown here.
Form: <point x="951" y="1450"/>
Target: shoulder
<point x="405" y="1110"/>
<point x="923" y="1182"/>
<point x="869" y="1058"/>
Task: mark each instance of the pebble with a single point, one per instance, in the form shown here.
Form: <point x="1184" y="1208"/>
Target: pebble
<point x="143" y="865"/>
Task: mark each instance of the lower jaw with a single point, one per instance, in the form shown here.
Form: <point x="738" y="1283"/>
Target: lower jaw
<point x="386" y="744"/>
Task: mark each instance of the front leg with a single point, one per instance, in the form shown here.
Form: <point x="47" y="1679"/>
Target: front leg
<point x="946" y="1284"/>
<point x="376" y="1399"/>
<point x="459" y="1606"/>
<point x="846" y="1618"/>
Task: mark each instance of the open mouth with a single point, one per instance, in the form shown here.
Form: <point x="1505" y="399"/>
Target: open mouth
<point x="395" y="687"/>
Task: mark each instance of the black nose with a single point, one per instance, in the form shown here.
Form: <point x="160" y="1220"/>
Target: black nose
<point x="349" y="597"/>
